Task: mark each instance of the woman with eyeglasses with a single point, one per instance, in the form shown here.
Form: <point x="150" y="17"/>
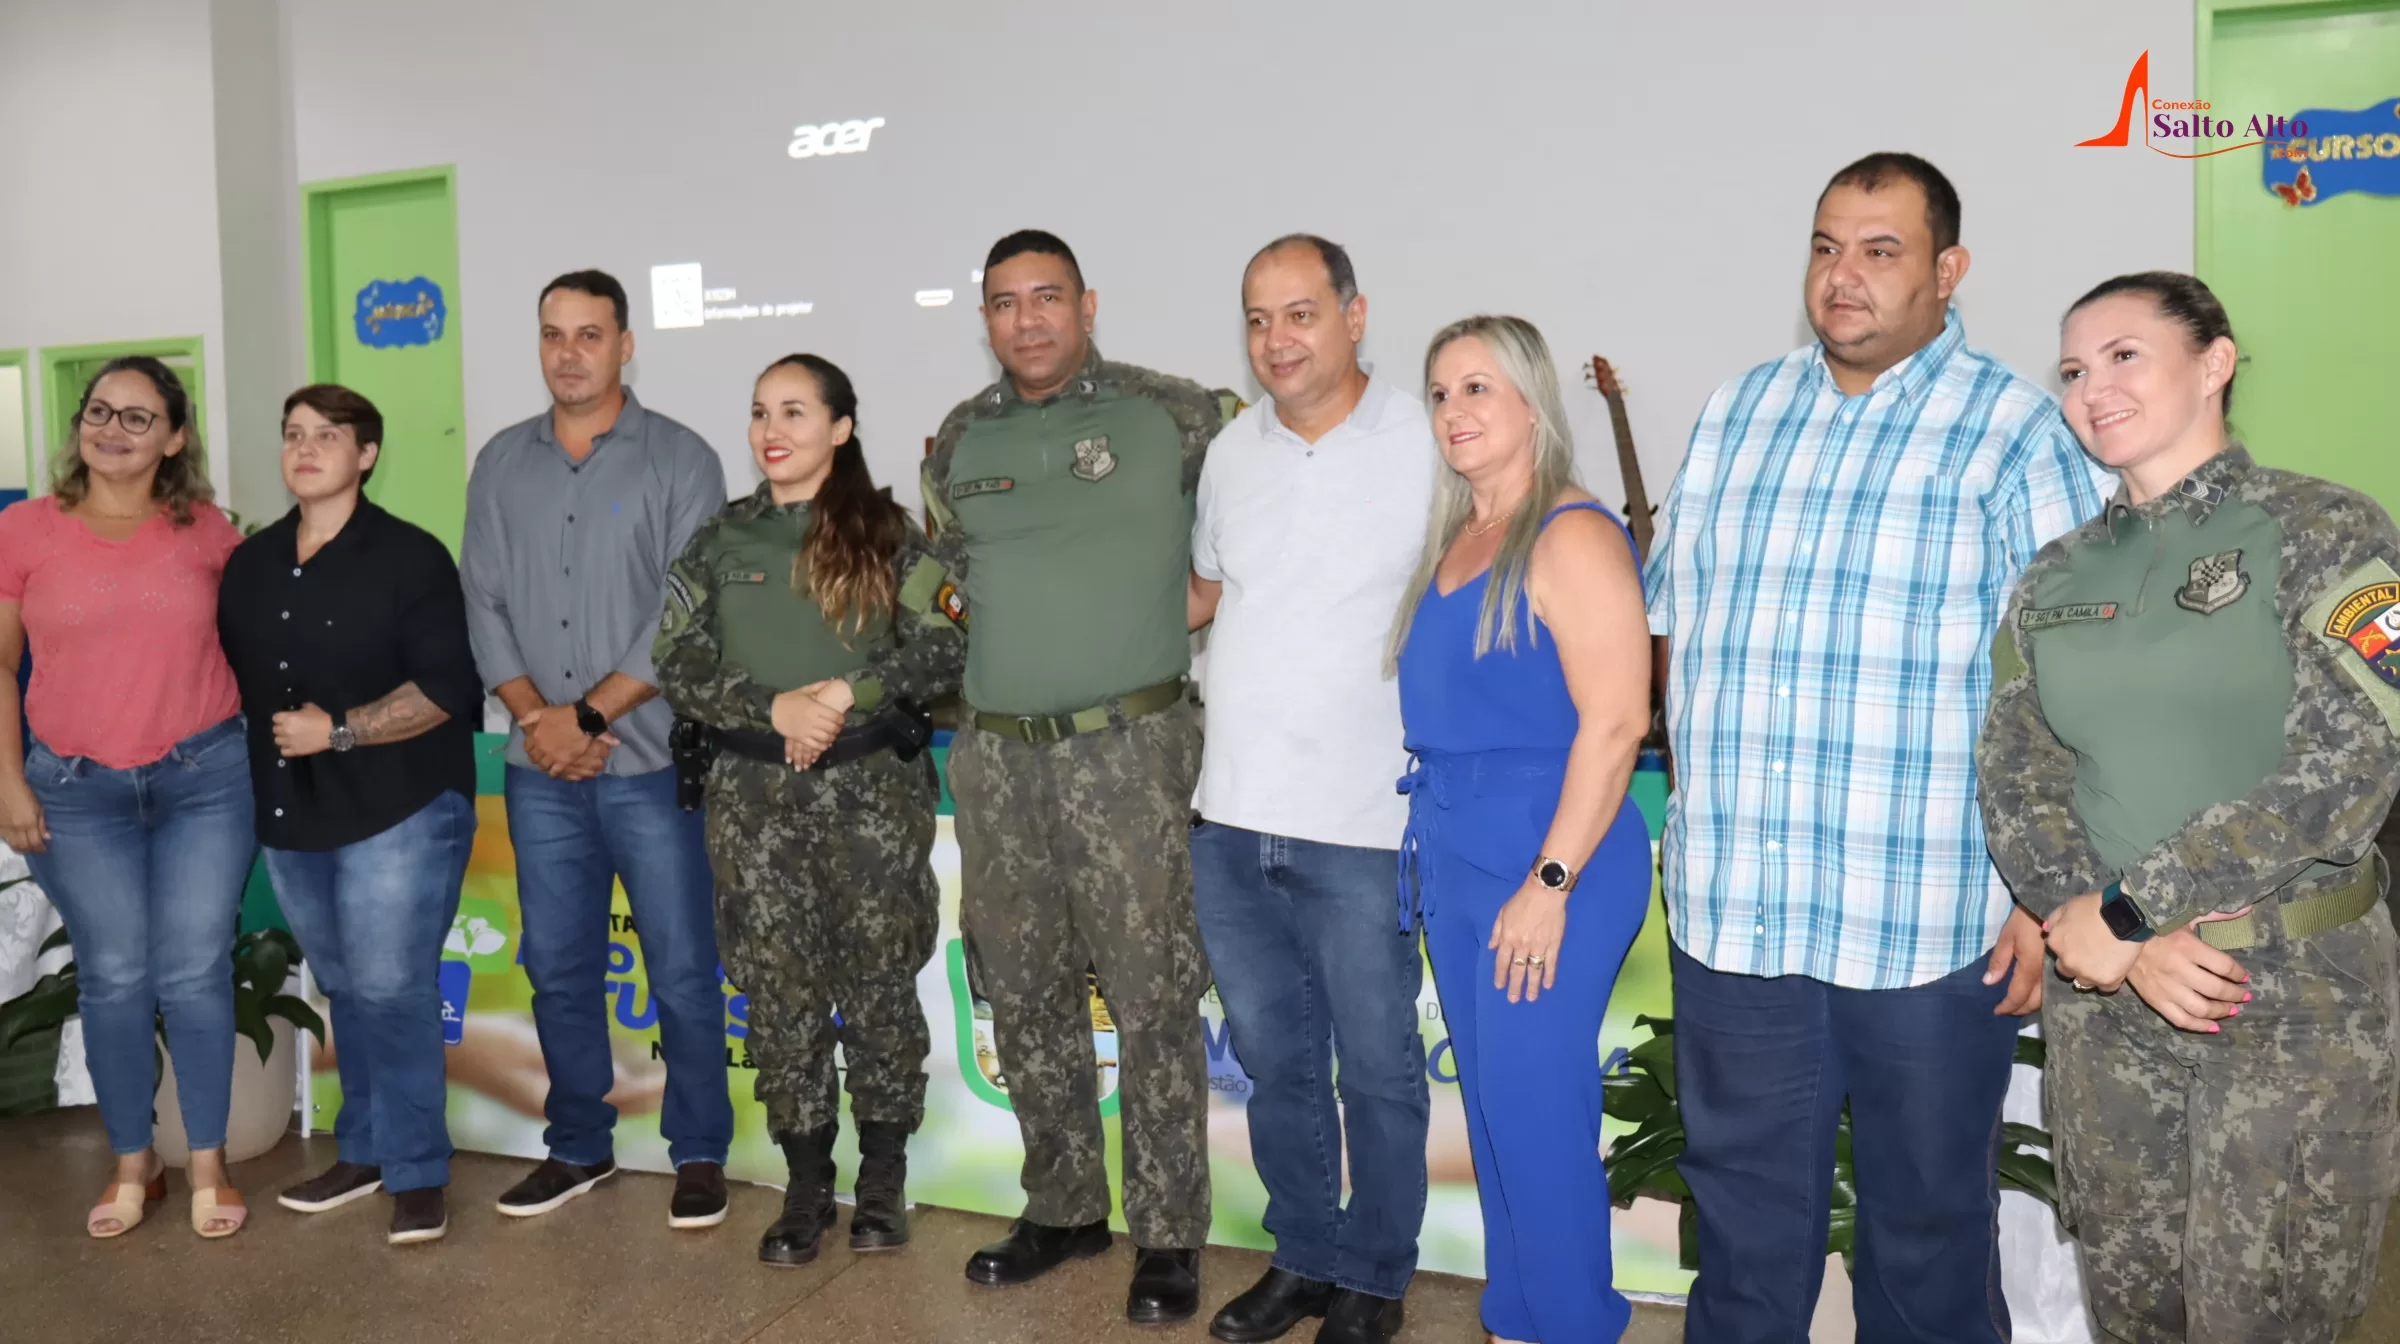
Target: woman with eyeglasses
<point x="132" y="799"/>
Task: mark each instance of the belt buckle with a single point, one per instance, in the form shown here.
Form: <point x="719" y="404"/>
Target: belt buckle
<point x="1026" y="724"/>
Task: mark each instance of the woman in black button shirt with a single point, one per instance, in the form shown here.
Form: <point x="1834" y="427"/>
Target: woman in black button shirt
<point x="347" y="633"/>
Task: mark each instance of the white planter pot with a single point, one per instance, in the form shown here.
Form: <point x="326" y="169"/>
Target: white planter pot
<point x="263" y="1099"/>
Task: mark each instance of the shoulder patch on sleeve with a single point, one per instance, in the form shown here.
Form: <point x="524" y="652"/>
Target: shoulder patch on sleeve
<point x="2007" y="663"/>
<point x="679" y="593"/>
<point x="2360" y="618"/>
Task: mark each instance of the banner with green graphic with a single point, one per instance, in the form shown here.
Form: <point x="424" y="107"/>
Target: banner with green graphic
<point x="968" y="1153"/>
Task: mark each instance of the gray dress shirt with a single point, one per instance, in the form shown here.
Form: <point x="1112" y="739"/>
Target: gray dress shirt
<point x="565" y="562"/>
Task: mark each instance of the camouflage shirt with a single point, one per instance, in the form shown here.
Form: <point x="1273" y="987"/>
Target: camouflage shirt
<point x="736" y="633"/>
<point x="2198" y="696"/>
<point x="1070" y="521"/>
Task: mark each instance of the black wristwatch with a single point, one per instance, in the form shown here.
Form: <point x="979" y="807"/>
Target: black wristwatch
<point x="591" y="721"/>
<point x="2124" y="918"/>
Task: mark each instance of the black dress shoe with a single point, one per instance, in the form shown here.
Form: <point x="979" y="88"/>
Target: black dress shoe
<point x="332" y="1188"/>
<point x="1166" y="1287"/>
<point x="551" y="1184"/>
<point x="1361" y="1318"/>
<point x="699" y="1199"/>
<point x="1274" y="1304"/>
<point x="1032" y="1249"/>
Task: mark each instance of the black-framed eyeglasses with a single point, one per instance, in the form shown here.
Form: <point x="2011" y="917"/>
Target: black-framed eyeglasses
<point x="136" y="419"/>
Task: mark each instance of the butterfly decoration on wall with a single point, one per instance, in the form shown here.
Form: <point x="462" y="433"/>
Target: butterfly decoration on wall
<point x="2300" y="189"/>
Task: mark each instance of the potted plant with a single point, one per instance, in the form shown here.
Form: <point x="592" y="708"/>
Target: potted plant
<point x="1640" y="1089"/>
<point x="265" y="1090"/>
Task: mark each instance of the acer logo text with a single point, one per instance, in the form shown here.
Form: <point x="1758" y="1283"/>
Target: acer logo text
<point x="833" y="137"/>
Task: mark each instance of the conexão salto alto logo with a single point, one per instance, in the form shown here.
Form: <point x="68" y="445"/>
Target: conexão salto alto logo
<point x="2187" y="128"/>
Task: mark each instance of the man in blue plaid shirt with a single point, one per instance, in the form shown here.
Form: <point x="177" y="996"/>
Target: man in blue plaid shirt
<point x="1834" y="557"/>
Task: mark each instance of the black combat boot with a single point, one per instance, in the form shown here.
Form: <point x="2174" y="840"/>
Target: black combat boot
<point x="807" y="1201"/>
<point x="880" y="1222"/>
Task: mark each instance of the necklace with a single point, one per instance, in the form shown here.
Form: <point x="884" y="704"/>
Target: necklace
<point x="1474" y="531"/>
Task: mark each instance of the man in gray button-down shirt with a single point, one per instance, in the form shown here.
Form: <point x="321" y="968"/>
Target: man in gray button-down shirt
<point x="572" y="519"/>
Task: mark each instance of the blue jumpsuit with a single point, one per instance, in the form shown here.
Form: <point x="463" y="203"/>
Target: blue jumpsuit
<point x="1490" y="737"/>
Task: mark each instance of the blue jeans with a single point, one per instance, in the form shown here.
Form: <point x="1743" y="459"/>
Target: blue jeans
<point x="146" y="866"/>
<point x="371" y="917"/>
<point x="574" y="840"/>
<point x="1762" y="1067"/>
<point x="1311" y="968"/>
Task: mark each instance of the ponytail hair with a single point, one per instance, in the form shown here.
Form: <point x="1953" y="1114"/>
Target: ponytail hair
<point x="2185" y="300"/>
<point x="846" y="563"/>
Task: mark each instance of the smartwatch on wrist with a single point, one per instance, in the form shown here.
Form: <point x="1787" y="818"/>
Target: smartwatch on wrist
<point x="1555" y="875"/>
<point x="591" y="721"/>
<point x="2124" y="918"/>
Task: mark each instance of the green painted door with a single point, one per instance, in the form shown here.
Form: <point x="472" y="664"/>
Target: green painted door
<point x="2312" y="289"/>
<point x="383" y="321"/>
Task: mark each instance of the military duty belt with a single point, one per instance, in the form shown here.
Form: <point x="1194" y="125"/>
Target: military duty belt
<point x="2306" y="916"/>
<point x="1060" y="727"/>
<point x="896" y="730"/>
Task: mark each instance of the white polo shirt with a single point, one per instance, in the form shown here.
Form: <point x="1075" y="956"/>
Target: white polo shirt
<point x="1314" y="544"/>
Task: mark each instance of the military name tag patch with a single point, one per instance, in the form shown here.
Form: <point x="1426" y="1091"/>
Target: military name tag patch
<point x="2045" y="617"/>
<point x="2217" y="582"/>
<point x="989" y="485"/>
<point x="744" y="576"/>
<point x="1093" y="460"/>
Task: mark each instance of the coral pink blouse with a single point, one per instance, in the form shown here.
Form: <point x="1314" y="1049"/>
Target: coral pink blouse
<point x="123" y="633"/>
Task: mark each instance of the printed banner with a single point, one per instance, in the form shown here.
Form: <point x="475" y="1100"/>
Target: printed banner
<point x="968" y="1153"/>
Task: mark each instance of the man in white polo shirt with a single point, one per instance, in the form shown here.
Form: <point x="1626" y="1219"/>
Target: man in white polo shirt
<point x="1312" y="512"/>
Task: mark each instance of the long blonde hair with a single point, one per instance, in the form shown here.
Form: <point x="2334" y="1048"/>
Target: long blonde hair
<point x="1524" y="359"/>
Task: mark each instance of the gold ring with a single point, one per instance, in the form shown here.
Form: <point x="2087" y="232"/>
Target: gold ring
<point x="2084" y="985"/>
<point x="1518" y="961"/>
<point x="1535" y="961"/>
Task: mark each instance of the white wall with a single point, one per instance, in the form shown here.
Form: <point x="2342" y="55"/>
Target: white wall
<point x="108" y="218"/>
<point x="1637" y="180"/>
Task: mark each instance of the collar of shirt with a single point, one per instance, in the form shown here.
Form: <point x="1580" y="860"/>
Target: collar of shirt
<point x="628" y="425"/>
<point x="1372" y="413"/>
<point x="2198" y="493"/>
<point x="761" y="502"/>
<point x="286" y="533"/>
<point x="1085" y="383"/>
<point x="1912" y="377"/>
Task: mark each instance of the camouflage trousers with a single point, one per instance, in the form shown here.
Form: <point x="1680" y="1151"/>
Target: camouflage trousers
<point x="1075" y="856"/>
<point x="2231" y="1188"/>
<point x="826" y="903"/>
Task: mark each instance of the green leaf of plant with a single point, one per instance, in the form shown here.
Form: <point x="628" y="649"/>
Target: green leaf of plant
<point x="1841" y="1233"/>
<point x="260" y="1034"/>
<point x="1659" y="1026"/>
<point x="1656" y="1057"/>
<point x="1687" y="1235"/>
<point x="2024" y="1136"/>
<point x="2033" y="1175"/>
<point x="1633" y="1096"/>
<point x="267" y="965"/>
<point x="1634" y="1165"/>
<point x="296" y="1011"/>
<point x="57" y="939"/>
<point x="50" y="1002"/>
<point x="2033" y="1051"/>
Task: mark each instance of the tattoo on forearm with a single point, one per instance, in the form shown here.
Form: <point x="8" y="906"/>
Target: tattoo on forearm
<point x="397" y="717"/>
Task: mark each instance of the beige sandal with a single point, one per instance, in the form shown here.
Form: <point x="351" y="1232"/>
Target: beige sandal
<point x="126" y="1205"/>
<point x="218" y="1204"/>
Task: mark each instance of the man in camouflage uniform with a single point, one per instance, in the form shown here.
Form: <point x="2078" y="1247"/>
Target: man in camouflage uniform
<point x="1063" y="493"/>
<point x="826" y="898"/>
<point x="2195" y="713"/>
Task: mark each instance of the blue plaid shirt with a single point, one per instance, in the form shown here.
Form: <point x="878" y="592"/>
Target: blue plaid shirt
<point x="1830" y="570"/>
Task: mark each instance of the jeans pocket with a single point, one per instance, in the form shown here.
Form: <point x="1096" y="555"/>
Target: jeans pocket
<point x="2333" y="1220"/>
<point x="46" y="769"/>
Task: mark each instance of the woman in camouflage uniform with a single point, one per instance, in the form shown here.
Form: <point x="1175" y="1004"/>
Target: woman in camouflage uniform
<point x="2194" y="734"/>
<point x="807" y="628"/>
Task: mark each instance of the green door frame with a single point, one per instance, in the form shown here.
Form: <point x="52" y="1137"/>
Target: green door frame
<point x="22" y="361"/>
<point x="58" y="400"/>
<point x="316" y="248"/>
